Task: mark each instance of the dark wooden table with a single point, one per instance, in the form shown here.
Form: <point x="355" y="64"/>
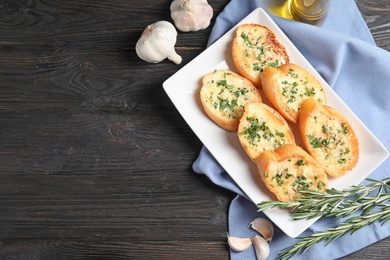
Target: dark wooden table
<point x="95" y="161"/>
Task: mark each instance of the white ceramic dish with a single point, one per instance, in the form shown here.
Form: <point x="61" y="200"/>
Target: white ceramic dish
<point x="183" y="88"/>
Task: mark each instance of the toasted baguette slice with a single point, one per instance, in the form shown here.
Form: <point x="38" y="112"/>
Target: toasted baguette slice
<point x="328" y="137"/>
<point x="262" y="128"/>
<point x="288" y="169"/>
<point x="224" y="95"/>
<point x="287" y="86"/>
<point x="254" y="48"/>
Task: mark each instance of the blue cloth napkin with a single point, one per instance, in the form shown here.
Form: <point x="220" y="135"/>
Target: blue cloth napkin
<point x="343" y="51"/>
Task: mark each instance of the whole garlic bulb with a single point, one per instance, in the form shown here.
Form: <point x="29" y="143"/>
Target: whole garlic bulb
<point x="191" y="15"/>
<point x="157" y="43"/>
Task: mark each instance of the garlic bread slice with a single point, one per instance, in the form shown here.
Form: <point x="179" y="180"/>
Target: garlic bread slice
<point x="223" y="96"/>
<point x="287" y="86"/>
<point x="254" y="48"/>
<point x="328" y="137"/>
<point x="262" y="128"/>
<point x="289" y="169"/>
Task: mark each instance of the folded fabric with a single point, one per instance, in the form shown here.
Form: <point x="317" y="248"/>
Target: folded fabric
<point x="343" y="51"/>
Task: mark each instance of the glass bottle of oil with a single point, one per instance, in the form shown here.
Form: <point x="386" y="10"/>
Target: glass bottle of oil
<point x="308" y="11"/>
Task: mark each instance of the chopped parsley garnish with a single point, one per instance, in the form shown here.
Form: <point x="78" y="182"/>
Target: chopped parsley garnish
<point x="320" y="185"/>
<point x="315" y="141"/>
<point x="342" y="160"/>
<point x="252" y="131"/>
<point x="225" y="104"/>
<point x="257" y="67"/>
<point x="279" y="133"/>
<point x="247" y="40"/>
<point x="300" y="163"/>
<point x="274" y="64"/>
<point x="344" y="128"/>
<point x="301" y="183"/>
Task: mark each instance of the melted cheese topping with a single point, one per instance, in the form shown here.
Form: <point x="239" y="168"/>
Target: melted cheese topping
<point x="262" y="135"/>
<point x="260" y="50"/>
<point x="293" y="175"/>
<point x="228" y="95"/>
<point x="295" y="88"/>
<point x="330" y="140"/>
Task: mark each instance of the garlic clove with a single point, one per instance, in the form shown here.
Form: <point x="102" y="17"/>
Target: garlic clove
<point x="191" y="15"/>
<point x="239" y="244"/>
<point x="157" y="43"/>
<point x="264" y="227"/>
<point x="261" y="246"/>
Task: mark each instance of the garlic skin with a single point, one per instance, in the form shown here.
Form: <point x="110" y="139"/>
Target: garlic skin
<point x="264" y="227"/>
<point x="191" y="15"/>
<point x="157" y="43"/>
<point x="262" y="248"/>
<point x="238" y="244"/>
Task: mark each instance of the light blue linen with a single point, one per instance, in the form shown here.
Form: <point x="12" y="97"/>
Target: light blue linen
<point x="344" y="53"/>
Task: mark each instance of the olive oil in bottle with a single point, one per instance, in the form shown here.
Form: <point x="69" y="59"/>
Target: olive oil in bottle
<point x="308" y="11"/>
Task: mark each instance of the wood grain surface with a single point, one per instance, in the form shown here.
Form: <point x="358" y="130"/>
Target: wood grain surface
<point x="95" y="161"/>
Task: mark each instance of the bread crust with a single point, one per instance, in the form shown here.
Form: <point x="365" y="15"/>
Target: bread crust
<point x="223" y="96"/>
<point x="254" y="48"/>
<point x="287" y="86"/>
<point x="328" y="137"/>
<point x="288" y="169"/>
<point x="262" y="128"/>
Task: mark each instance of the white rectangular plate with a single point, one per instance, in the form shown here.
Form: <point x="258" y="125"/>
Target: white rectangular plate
<point x="183" y="89"/>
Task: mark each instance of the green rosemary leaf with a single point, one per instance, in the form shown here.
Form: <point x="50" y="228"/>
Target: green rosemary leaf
<point x="275" y="204"/>
<point x="329" y="235"/>
<point x="335" y="202"/>
<point x="372" y="199"/>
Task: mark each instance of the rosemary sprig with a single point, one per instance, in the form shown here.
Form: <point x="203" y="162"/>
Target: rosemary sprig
<point x="333" y="202"/>
<point x="337" y="203"/>
<point x="330" y="234"/>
